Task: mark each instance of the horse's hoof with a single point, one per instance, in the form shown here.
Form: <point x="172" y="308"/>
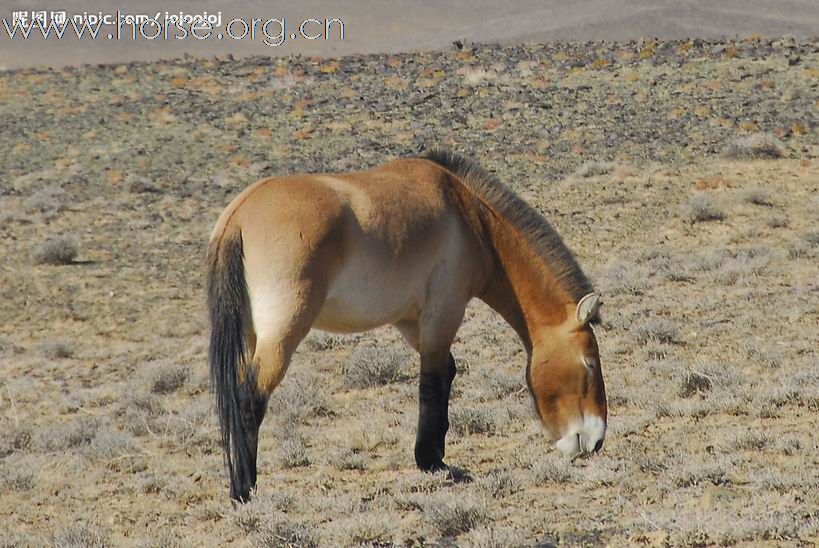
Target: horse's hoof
<point x="433" y="467"/>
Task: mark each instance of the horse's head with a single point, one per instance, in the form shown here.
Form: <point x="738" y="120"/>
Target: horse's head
<point x="566" y="380"/>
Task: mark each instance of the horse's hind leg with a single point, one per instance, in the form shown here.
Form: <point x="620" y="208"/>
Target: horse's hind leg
<point x="278" y="331"/>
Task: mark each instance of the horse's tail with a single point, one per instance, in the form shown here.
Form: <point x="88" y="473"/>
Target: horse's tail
<point x="227" y="298"/>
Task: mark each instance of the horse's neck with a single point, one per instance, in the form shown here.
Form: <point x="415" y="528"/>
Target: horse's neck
<point x="520" y="288"/>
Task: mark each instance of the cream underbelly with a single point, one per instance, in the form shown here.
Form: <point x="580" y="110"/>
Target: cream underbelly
<point x="367" y="304"/>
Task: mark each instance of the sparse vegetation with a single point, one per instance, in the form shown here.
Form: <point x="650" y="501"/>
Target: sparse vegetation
<point x="472" y="420"/>
<point x="812" y="237"/>
<point x="60" y="250"/>
<point x="16" y="439"/>
<point x="281" y="531"/>
<point x="595" y="169"/>
<point x="551" y="469"/>
<point x="16" y="480"/>
<point x="50" y="200"/>
<point x="300" y="396"/>
<point x="750" y="441"/>
<point x="57" y="349"/>
<point x="702" y="208"/>
<point x="498" y="484"/>
<point x="758" y="197"/>
<point x="77" y="433"/>
<point x="657" y="330"/>
<point x="347" y="459"/>
<point x="456" y="512"/>
<point x="292" y="447"/>
<point x="107" y="428"/>
<point x="695" y="383"/>
<point x="81" y="536"/>
<point x="167" y="378"/>
<point x="757" y="146"/>
<point x="369" y="367"/>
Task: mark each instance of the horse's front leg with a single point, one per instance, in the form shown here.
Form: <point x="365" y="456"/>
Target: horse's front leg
<point x="434" y="388"/>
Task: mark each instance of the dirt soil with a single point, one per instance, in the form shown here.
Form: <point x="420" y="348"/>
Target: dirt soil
<point x="684" y="175"/>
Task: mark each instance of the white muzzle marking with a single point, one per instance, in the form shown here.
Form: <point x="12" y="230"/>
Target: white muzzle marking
<point x="583" y="437"/>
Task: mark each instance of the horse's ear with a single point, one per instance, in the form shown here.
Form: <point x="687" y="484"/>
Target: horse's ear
<point x="588" y="308"/>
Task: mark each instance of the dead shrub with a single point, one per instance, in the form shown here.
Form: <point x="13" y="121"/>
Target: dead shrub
<point x="551" y="468"/>
<point x="61" y="250"/>
<point x="658" y="330"/>
<point x="57" y="349"/>
<point x="81" y="536"/>
<point x="702" y="208"/>
<point x="455" y="512"/>
<point x="757" y="146"/>
<point x="167" y="378"/>
<point x="369" y="367"/>
<point x="465" y="421"/>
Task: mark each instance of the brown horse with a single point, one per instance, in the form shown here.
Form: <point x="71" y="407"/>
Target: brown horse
<point x="409" y="243"/>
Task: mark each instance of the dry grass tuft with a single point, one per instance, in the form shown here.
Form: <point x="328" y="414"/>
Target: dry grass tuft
<point x="57" y="349"/>
<point x="282" y="532"/>
<point x="465" y="421"/>
<point x="498" y="484"/>
<point x="626" y="278"/>
<point x="167" y="378"/>
<point x="658" y="330"/>
<point x="161" y="540"/>
<point x="455" y="512"/>
<point x="17" y="480"/>
<point x="370" y="529"/>
<point x="696" y="473"/>
<point x="60" y="250"/>
<point x="59" y="437"/>
<point x="766" y="356"/>
<point x="368" y="367"/>
<point x="81" y="536"/>
<point x="758" y="196"/>
<point x="16" y="439"/>
<point x="347" y="459"/>
<point x="51" y="200"/>
<point x="695" y="383"/>
<point x="501" y="385"/>
<point x="292" y="446"/>
<point x="137" y="413"/>
<point x="778" y="220"/>
<point x="701" y="208"/>
<point x="551" y="468"/>
<point x="812" y="237"/>
<point x="758" y="146"/>
<point x="319" y="341"/>
<point x="750" y="441"/>
<point x="595" y="169"/>
<point x="491" y="537"/>
<point x="300" y="397"/>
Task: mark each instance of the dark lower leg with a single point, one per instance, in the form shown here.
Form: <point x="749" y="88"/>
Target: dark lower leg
<point x="433" y="417"/>
<point x="450" y="376"/>
<point x="428" y="451"/>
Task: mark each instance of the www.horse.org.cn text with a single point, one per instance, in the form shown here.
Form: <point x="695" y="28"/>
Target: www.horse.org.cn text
<point x="60" y="25"/>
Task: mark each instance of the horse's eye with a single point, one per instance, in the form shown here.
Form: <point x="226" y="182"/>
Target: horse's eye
<point x="590" y="363"/>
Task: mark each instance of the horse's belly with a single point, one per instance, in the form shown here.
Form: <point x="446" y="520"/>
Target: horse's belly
<point x="365" y="296"/>
<point x="344" y="316"/>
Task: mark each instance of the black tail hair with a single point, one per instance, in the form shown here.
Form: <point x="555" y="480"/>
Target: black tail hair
<point x="227" y="296"/>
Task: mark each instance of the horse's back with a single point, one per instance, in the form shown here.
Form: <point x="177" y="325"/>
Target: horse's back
<point x="365" y="242"/>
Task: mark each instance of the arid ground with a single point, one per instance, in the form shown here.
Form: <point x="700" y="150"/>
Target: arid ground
<point x="684" y="175"/>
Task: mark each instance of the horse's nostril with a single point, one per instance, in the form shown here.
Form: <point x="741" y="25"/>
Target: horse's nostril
<point x="598" y="446"/>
